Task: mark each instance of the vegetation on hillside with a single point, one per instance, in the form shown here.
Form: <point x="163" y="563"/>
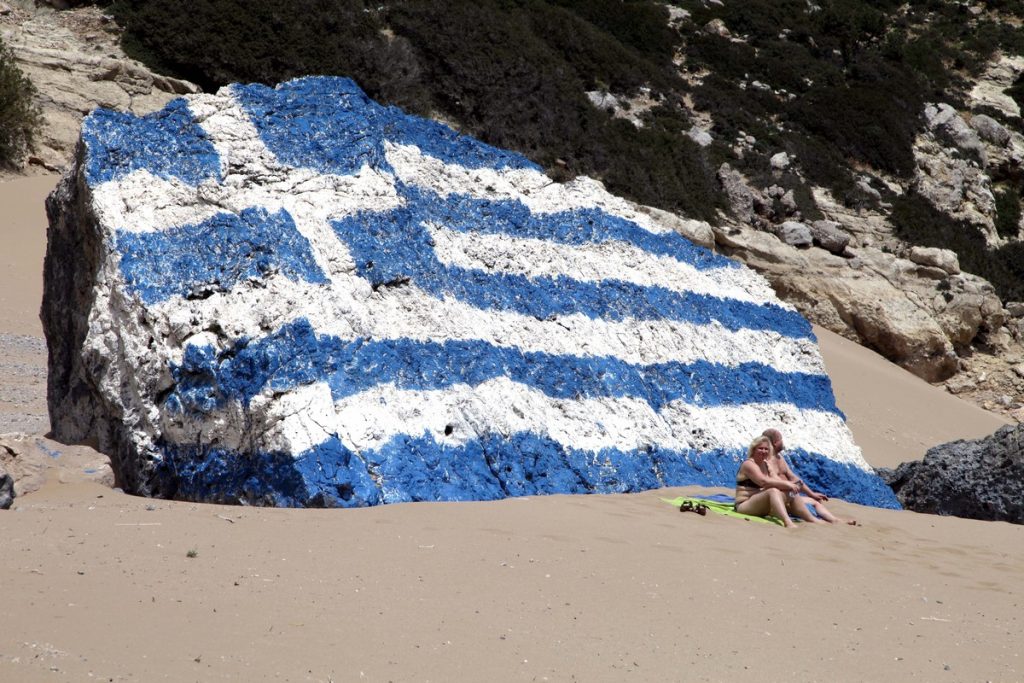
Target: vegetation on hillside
<point x="19" y="116"/>
<point x="513" y="73"/>
<point x="845" y="83"/>
<point x="839" y="85"/>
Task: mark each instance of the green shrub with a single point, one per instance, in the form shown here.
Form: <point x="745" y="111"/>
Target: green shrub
<point x="918" y="222"/>
<point x="846" y="81"/>
<point x="19" y="115"/>
<point x="511" y="72"/>
<point x="636" y="24"/>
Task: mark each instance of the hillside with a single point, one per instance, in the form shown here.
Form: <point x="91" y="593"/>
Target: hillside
<point x="821" y="142"/>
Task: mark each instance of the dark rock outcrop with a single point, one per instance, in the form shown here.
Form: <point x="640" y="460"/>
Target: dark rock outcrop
<point x="6" y="489"/>
<point x="982" y="479"/>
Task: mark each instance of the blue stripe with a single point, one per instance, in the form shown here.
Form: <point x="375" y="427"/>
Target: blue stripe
<point x="167" y="143"/>
<point x="331" y="126"/>
<point x="395" y="247"/>
<point x="411" y="468"/>
<point x="841" y="480"/>
<point x="573" y="227"/>
<point x="196" y="260"/>
<point x="295" y="355"/>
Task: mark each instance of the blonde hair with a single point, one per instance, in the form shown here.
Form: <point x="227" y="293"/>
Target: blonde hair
<point x="757" y="442"/>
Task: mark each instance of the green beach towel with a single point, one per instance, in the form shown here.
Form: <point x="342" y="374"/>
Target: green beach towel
<point x="722" y="509"/>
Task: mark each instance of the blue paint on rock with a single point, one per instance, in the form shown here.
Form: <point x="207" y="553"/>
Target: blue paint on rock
<point x="572" y="227"/>
<point x="842" y="480"/>
<point x="168" y="144"/>
<point x="213" y="256"/>
<point x="295" y="355"/>
<point x="331" y="126"/>
<point x="395" y="247"/>
<point x="489" y="468"/>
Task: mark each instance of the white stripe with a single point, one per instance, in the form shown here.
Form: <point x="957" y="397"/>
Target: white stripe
<point x="369" y="420"/>
<point x="595" y="263"/>
<point x="352" y="309"/>
<point x="534" y="189"/>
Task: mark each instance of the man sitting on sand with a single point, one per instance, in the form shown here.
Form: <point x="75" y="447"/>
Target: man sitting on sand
<point x="810" y="498"/>
<point x="762" y="491"/>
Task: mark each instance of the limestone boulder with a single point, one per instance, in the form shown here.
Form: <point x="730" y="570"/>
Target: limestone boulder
<point x="873" y="298"/>
<point x="29" y="461"/>
<point x="951" y="128"/>
<point x="830" y="236"/>
<point x="700" y="136"/>
<point x="990" y="89"/>
<point x="745" y="201"/>
<point x="990" y="130"/>
<point x="944" y="259"/>
<point x="779" y="161"/>
<point x="75" y="61"/>
<point x="795" y="234"/>
<point x="886" y="320"/>
<point x="296" y="296"/>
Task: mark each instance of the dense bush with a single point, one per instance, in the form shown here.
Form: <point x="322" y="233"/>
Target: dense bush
<point x="838" y="84"/>
<point x="850" y="78"/>
<point x="217" y="42"/>
<point x="19" y="115"/>
<point x="918" y="222"/>
<point x="512" y="72"/>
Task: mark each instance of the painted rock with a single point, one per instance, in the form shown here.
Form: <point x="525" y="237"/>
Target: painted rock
<point x="295" y="296"/>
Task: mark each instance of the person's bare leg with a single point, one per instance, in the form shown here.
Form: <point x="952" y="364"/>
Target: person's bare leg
<point x="798" y="506"/>
<point x="822" y="511"/>
<point x="826" y="515"/>
<point x="764" y="503"/>
<point x="778" y="502"/>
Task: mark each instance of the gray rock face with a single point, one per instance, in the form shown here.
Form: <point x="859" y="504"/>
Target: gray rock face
<point x="830" y="236"/>
<point x="945" y="259"/>
<point x="982" y="479"/>
<point x="991" y="130"/>
<point x="780" y="161"/>
<point x="950" y="127"/>
<point x="990" y="90"/>
<point x="795" y="233"/>
<point x="700" y="136"/>
<point x="743" y="199"/>
<point x="6" y="490"/>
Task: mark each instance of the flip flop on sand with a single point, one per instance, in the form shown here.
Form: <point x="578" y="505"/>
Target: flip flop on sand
<point x="688" y="506"/>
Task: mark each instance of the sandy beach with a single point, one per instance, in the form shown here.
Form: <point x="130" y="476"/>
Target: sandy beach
<point x="99" y="585"/>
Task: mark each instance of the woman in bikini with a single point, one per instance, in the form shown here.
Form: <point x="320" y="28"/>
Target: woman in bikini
<point x="762" y="491"/>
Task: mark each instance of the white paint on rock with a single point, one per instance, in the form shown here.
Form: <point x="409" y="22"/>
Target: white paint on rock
<point x="532" y="188"/>
<point x="370" y="419"/>
<point x="348" y="308"/>
<point x="595" y="263"/>
<point x="351" y="309"/>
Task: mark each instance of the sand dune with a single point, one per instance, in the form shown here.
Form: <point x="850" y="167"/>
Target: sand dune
<point x="103" y="586"/>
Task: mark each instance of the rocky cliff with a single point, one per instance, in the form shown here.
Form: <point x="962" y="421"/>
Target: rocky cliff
<point x="74" y="60"/>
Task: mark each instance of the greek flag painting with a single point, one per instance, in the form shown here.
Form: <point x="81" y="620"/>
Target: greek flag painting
<point x="299" y="297"/>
